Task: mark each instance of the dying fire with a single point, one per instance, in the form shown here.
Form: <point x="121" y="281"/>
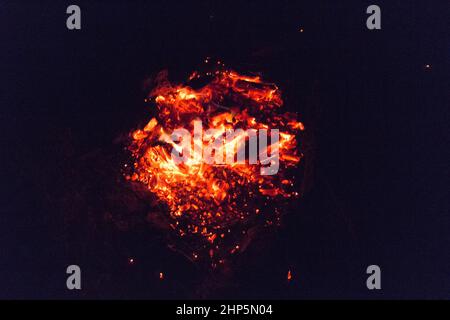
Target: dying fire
<point x="212" y="206"/>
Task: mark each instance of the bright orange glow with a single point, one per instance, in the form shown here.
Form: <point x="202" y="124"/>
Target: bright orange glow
<point x="206" y="201"/>
<point x="289" y="275"/>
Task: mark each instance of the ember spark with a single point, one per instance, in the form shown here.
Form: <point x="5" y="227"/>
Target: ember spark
<point x="211" y="207"/>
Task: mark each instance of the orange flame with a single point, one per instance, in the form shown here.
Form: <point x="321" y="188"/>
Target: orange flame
<point x="205" y="201"/>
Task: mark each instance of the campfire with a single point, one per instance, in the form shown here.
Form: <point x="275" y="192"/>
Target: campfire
<point x="211" y="205"/>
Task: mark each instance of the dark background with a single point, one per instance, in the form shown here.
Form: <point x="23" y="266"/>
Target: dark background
<point x="376" y="122"/>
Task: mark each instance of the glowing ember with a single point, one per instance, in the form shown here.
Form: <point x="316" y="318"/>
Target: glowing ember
<point x="211" y="206"/>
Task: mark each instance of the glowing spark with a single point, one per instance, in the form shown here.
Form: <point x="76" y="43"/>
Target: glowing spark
<point x="289" y="275"/>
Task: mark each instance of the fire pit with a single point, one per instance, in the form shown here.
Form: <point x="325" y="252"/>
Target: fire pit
<point x="210" y="207"/>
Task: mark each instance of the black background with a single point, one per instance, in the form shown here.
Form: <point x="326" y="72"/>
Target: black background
<point x="378" y="117"/>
